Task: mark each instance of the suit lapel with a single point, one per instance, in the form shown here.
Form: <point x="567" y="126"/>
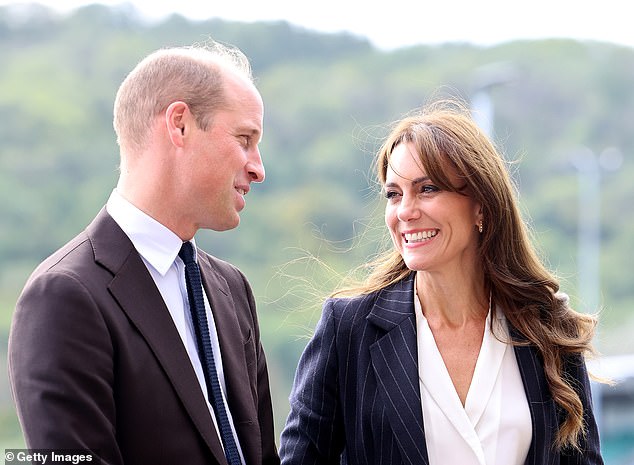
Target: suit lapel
<point x="239" y="397"/>
<point x="540" y="402"/>
<point x="395" y="361"/>
<point x="151" y="317"/>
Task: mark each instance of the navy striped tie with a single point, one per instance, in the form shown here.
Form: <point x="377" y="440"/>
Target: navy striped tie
<point x="203" y="340"/>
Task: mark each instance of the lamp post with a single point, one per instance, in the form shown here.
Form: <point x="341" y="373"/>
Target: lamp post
<point x="589" y="168"/>
<point x="485" y="78"/>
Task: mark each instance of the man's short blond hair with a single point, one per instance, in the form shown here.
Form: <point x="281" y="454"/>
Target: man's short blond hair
<point x="193" y="75"/>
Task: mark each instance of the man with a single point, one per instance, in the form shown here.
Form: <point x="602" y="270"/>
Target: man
<point x="103" y="352"/>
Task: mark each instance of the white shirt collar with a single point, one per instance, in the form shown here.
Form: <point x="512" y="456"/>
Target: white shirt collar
<point x="494" y="426"/>
<point x="156" y="243"/>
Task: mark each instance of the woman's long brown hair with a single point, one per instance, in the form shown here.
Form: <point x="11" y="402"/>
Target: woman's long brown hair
<point x="448" y="141"/>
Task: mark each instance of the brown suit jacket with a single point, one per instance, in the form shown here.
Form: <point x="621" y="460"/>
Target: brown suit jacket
<point x="95" y="361"/>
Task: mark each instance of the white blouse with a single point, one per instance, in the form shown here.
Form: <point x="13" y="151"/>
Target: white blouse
<point x="494" y="427"/>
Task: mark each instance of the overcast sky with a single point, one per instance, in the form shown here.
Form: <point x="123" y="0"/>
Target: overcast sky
<point x="394" y="23"/>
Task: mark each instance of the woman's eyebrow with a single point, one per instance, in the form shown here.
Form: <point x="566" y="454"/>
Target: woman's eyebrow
<point x="415" y="181"/>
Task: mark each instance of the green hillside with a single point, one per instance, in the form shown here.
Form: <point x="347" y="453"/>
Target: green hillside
<point x="328" y="100"/>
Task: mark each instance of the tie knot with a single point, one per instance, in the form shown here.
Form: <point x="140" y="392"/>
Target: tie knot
<point x="187" y="253"/>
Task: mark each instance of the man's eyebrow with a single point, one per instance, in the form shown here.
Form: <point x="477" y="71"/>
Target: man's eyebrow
<point x="254" y="132"/>
<point x="248" y="129"/>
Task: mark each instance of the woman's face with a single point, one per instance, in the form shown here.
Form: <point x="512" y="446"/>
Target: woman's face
<point x="432" y="229"/>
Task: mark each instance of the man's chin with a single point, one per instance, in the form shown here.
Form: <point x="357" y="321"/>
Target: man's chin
<point x="226" y="225"/>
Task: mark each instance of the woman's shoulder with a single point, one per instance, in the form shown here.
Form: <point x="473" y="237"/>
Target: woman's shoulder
<point x="349" y="305"/>
<point x="361" y="305"/>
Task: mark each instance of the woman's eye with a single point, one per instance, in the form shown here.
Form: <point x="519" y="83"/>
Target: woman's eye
<point x="429" y="189"/>
<point x="391" y="194"/>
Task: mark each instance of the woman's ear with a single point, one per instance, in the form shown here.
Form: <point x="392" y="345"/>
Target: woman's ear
<point x="176" y="121"/>
<point x="479" y="217"/>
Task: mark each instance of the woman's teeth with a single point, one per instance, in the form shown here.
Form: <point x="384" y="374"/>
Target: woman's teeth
<point x="419" y="236"/>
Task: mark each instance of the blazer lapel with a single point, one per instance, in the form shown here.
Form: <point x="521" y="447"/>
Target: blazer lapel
<point x="395" y="362"/>
<point x="239" y="396"/>
<point x="540" y="402"/>
<point x="151" y="317"/>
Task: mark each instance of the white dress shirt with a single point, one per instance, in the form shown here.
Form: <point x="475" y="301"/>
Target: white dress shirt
<point x="494" y="427"/>
<point x="158" y="247"/>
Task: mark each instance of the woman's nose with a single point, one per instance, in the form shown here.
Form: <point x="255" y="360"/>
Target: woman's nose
<point x="408" y="209"/>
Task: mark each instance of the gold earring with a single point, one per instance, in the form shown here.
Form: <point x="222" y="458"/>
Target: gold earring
<point x="480" y="227"/>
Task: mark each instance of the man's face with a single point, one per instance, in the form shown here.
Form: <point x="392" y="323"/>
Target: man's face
<point x="225" y="159"/>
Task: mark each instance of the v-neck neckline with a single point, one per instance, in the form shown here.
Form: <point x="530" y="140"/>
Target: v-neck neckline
<point x="435" y="377"/>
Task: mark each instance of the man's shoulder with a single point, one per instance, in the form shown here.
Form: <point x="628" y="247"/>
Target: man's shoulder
<point x="67" y="256"/>
<point x="62" y="274"/>
<point x="78" y="255"/>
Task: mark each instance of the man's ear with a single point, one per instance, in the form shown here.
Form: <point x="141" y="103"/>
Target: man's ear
<point x="176" y="119"/>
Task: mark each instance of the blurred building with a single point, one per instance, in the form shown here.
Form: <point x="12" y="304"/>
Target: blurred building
<point x="614" y="407"/>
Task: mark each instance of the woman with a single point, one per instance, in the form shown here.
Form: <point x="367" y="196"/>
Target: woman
<point x="458" y="348"/>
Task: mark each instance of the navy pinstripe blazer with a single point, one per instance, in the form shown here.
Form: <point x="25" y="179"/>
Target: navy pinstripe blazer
<point x="356" y="397"/>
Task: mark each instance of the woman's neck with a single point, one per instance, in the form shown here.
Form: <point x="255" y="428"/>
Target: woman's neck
<point x="452" y="301"/>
